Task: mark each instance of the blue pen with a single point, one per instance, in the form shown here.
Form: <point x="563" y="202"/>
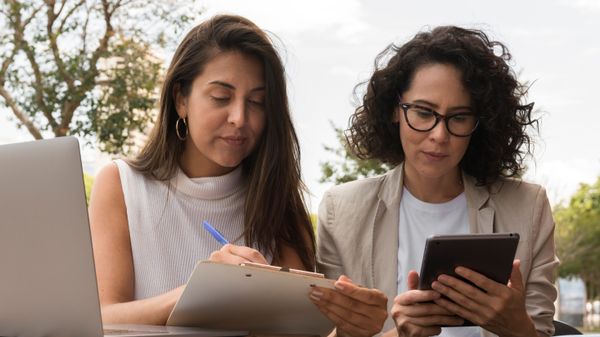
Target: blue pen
<point x="215" y="233"/>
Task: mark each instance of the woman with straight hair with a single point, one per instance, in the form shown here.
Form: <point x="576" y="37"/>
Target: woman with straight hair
<point x="223" y="150"/>
<point x="447" y="111"/>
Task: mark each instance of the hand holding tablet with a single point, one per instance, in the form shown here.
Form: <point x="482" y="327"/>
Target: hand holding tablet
<point x="490" y="255"/>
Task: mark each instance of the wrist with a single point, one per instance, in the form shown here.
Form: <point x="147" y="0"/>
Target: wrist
<point x="527" y="329"/>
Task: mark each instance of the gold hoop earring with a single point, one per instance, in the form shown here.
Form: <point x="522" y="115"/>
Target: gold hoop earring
<point x="178" y="127"/>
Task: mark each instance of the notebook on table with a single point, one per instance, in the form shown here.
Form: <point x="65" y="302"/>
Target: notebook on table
<point x="47" y="275"/>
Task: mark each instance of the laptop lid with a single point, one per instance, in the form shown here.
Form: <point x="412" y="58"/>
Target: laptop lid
<point x="47" y="273"/>
<point x="47" y="276"/>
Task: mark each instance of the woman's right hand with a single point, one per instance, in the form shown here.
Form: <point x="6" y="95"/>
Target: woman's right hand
<point x="356" y="311"/>
<point x="415" y="314"/>
<point x="233" y="254"/>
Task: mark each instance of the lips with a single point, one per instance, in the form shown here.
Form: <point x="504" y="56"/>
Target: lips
<point x="234" y="140"/>
<point x="435" y="155"/>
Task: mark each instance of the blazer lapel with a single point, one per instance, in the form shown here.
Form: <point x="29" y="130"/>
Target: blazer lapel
<point x="384" y="246"/>
<point x="481" y="216"/>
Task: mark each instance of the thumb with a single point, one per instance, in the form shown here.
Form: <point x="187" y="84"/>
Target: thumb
<point x="345" y="278"/>
<point x="516" y="279"/>
<point x="413" y="280"/>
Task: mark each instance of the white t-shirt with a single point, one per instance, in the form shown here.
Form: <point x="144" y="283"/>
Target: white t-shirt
<point x="419" y="220"/>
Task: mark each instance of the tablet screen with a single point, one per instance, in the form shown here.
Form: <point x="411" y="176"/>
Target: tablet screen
<point x="489" y="254"/>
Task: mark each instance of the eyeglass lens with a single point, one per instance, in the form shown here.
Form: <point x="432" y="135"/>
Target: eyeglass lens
<point x="424" y="120"/>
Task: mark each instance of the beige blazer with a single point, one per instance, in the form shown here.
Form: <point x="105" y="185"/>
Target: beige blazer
<point x="358" y="235"/>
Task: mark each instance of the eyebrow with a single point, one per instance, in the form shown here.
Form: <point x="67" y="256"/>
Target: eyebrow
<point x="435" y="106"/>
<point x="232" y="87"/>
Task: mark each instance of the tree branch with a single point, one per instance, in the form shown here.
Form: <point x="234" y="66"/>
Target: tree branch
<point x="19" y="40"/>
<point x="35" y="132"/>
<point x="69" y="13"/>
<point x="52" y="36"/>
<point x="103" y="46"/>
<point x="5" y="64"/>
<point x="88" y="82"/>
<point x="33" y="14"/>
<point x="62" y="6"/>
<point x="84" y="32"/>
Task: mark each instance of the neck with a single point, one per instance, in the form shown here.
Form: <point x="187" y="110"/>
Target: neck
<point x="196" y="165"/>
<point x="433" y="189"/>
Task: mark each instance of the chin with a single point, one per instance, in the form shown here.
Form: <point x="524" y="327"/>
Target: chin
<point x="433" y="172"/>
<point x="230" y="163"/>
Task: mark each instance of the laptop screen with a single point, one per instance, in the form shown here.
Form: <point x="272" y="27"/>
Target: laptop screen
<point x="47" y="278"/>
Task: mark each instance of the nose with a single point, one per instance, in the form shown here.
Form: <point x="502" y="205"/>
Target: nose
<point x="439" y="133"/>
<point x="237" y="113"/>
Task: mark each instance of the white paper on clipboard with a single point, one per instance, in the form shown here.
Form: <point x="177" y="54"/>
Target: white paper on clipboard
<point x="259" y="300"/>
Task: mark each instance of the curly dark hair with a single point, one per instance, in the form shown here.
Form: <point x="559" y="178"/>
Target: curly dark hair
<point x="499" y="145"/>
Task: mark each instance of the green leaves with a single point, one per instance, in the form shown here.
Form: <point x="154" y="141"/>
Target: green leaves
<point x="87" y="67"/>
<point x="347" y="167"/>
<point x="120" y="109"/>
<point x="578" y="236"/>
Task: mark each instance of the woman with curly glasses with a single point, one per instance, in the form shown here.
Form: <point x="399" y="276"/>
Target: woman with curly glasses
<point x="447" y="110"/>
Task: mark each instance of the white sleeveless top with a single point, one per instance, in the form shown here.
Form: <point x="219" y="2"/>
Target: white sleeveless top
<point x="165" y="223"/>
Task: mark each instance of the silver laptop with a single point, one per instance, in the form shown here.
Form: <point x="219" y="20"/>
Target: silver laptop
<point x="47" y="275"/>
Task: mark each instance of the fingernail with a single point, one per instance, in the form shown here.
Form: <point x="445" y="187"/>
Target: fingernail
<point x="315" y="295"/>
<point x="339" y="286"/>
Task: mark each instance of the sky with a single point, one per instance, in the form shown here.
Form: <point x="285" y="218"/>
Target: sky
<point x="328" y="47"/>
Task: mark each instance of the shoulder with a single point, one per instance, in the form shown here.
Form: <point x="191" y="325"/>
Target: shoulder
<point x="108" y="174"/>
<point x="107" y="208"/>
<point x="354" y="191"/>
<point x="117" y="178"/>
<point x="517" y="191"/>
<point x="107" y="182"/>
<point x="520" y="206"/>
<point x="359" y="198"/>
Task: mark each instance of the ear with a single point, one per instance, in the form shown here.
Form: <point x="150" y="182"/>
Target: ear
<point x="180" y="101"/>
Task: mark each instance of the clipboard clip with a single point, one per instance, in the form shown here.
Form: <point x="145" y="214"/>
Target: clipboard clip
<point x="282" y="269"/>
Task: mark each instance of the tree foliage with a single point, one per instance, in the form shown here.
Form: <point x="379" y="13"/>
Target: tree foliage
<point x="578" y="236"/>
<point x="85" y="67"/>
<point x="88" y="182"/>
<point x="347" y="166"/>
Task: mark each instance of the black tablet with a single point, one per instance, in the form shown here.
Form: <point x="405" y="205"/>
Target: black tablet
<point x="489" y="254"/>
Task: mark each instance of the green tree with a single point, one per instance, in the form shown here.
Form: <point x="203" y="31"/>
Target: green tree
<point x="578" y="236"/>
<point x="347" y="167"/>
<point x="85" y="67"/>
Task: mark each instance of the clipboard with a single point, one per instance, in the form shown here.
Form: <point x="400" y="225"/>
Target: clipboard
<point x="253" y="297"/>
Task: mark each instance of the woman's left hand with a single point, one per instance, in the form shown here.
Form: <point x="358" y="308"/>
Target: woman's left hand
<point x="499" y="309"/>
<point x="355" y="311"/>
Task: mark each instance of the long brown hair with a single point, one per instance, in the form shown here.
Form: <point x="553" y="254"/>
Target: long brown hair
<point x="275" y="213"/>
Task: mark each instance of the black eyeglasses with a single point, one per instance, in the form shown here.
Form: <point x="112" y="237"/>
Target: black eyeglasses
<point x="423" y="119"/>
